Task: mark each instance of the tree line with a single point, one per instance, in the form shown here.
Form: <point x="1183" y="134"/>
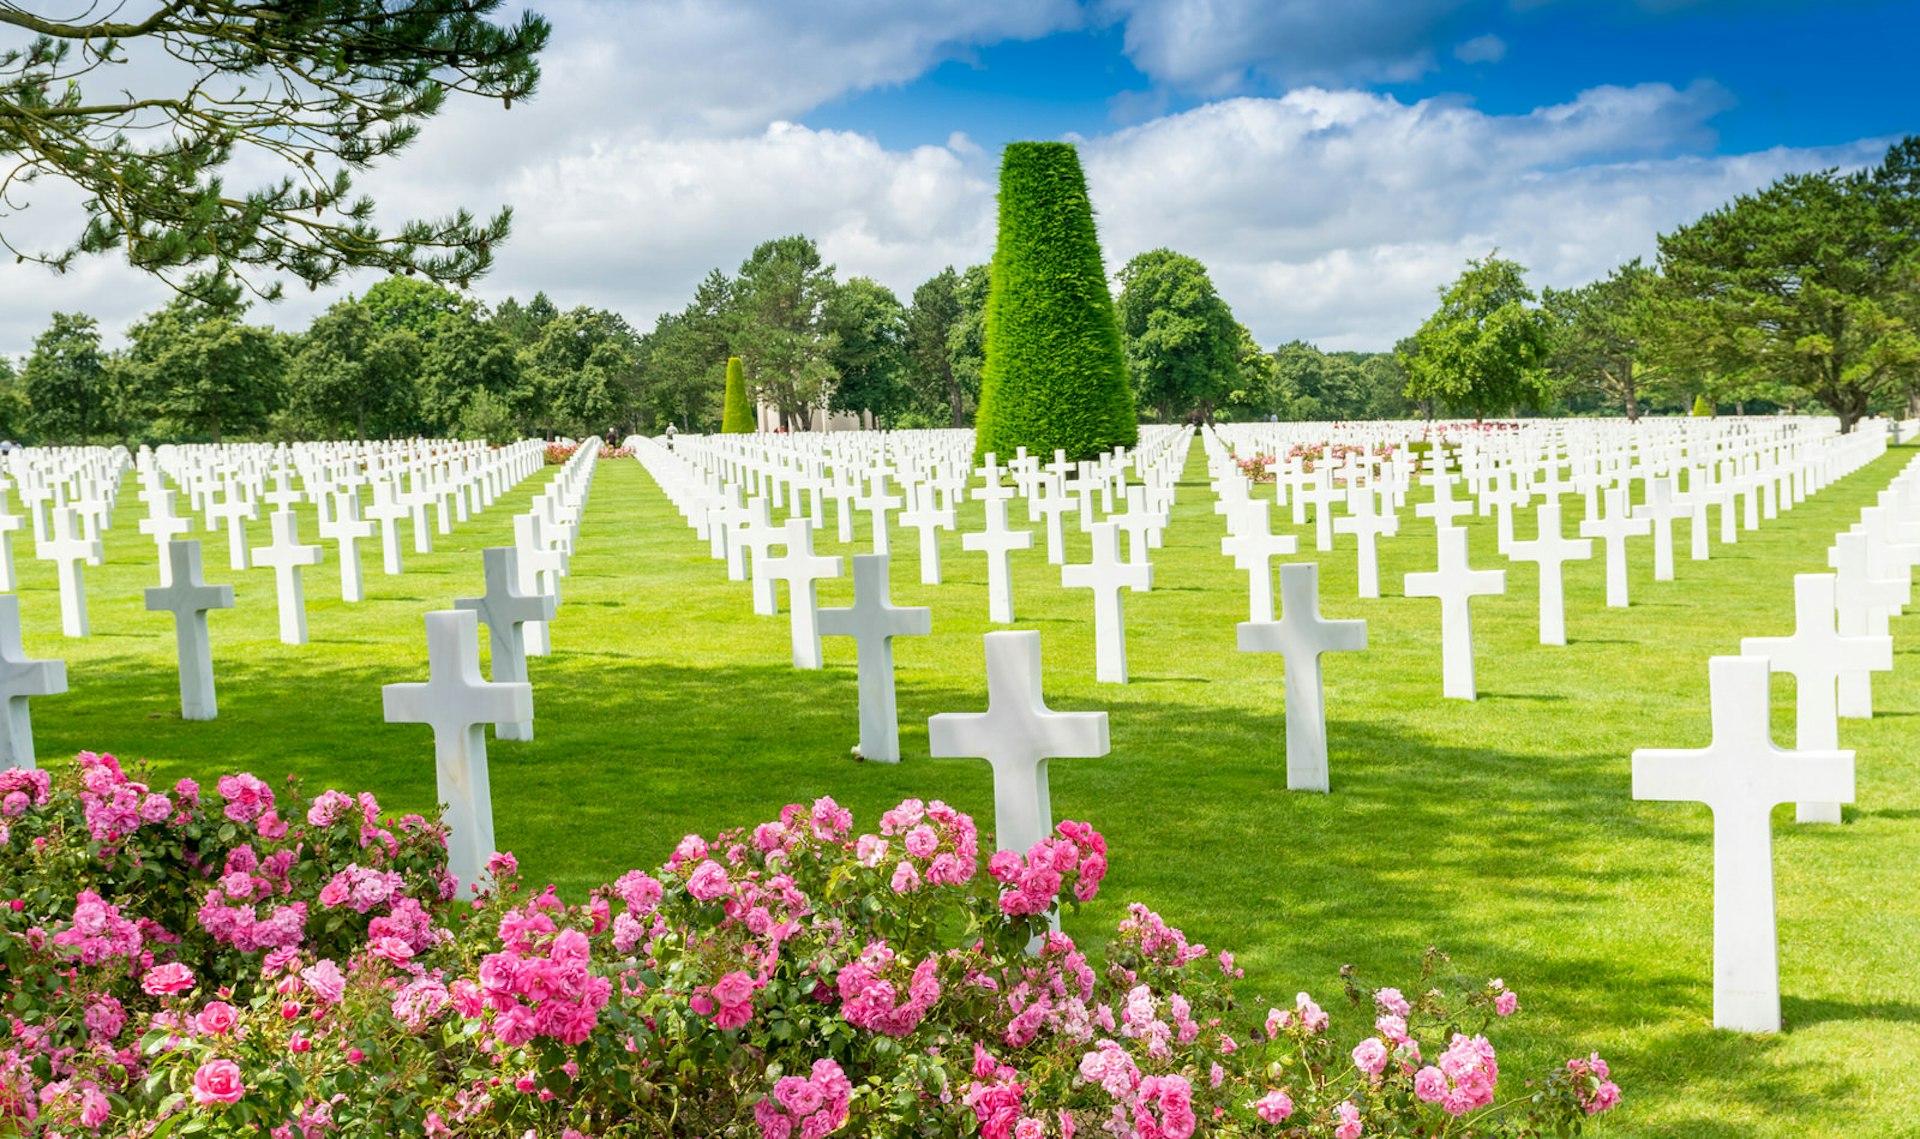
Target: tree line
<point x="1804" y="296"/>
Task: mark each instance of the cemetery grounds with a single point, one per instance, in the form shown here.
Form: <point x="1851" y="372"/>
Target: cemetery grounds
<point x="1502" y="831"/>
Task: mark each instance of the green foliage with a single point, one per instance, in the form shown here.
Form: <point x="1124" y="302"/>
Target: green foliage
<point x="300" y="87"/>
<point x="193" y="370"/>
<point x="420" y="307"/>
<point x="684" y="357"/>
<point x="1701" y="407"/>
<point x="1485" y="350"/>
<point x="868" y="328"/>
<point x="1596" y="332"/>
<point x="466" y="358"/>
<point x="14" y="412"/>
<point x="348" y="378"/>
<point x="1056" y="375"/>
<point x="936" y="310"/>
<point x="1807" y="285"/>
<point x="582" y="372"/>
<point x="779" y="335"/>
<point x="487" y="416"/>
<point x="523" y="323"/>
<point x="66" y="380"/>
<point x="1182" y="343"/>
<point x="737" y="417"/>
<point x="967" y="339"/>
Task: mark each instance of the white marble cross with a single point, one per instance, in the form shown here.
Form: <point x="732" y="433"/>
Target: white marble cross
<point x="754" y="540"/>
<point x="1443" y="508"/>
<point x="1613" y="530"/>
<point x="1107" y="575"/>
<point x="69" y="552"/>
<point x="1742" y="775"/>
<point x="1018" y="734"/>
<point x="542" y="564"/>
<point x="1817" y="656"/>
<point x="1051" y="505"/>
<point x="801" y="568"/>
<point x="459" y="705"/>
<point x="9" y="522"/>
<point x="1141" y="525"/>
<point x="388" y="510"/>
<point x="1866" y="604"/>
<point x="162" y="525"/>
<point x="873" y="622"/>
<point x="347" y="529"/>
<point x="877" y="503"/>
<point x="284" y="558"/>
<point x="188" y="597"/>
<point x="1253" y="549"/>
<point x="1300" y="636"/>
<point x="505" y="609"/>
<point x="928" y="518"/>
<point x="996" y="541"/>
<point x="1660" y="510"/>
<point x="1551" y="551"/>
<point x="1321" y="494"/>
<point x="1456" y="584"/>
<point x="21" y="678"/>
<point x="233" y="511"/>
<point x="1367" y="525"/>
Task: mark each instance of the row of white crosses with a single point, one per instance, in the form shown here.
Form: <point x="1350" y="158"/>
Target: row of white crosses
<point x="1742" y="774"/>
<point x="1376" y="476"/>
<point x="708" y="477"/>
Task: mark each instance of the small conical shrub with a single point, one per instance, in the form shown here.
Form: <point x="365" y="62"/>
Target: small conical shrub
<point x="1055" y="377"/>
<point x="1701" y="407"/>
<point x="736" y="415"/>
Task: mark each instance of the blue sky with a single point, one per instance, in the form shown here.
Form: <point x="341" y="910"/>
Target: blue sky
<point x="1792" y="74"/>
<point x="1333" y="164"/>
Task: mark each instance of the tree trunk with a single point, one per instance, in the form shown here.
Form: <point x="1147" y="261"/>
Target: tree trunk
<point x="1633" y="402"/>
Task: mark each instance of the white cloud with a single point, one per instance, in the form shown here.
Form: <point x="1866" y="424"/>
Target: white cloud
<point x="1334" y="215"/>
<point x="1481" y="49"/>
<point x="1215" y="46"/>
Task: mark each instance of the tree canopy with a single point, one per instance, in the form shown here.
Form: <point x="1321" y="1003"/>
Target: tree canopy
<point x="320" y="90"/>
<point x="1182" y="343"/>
<point x="1485" y="349"/>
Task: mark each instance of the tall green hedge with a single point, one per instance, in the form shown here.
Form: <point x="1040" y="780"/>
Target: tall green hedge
<point x="1055" y="376"/>
<point x="736" y="415"/>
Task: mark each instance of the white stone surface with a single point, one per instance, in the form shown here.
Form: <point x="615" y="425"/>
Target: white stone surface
<point x="1300" y="636"/>
<point x="188" y="597"/>
<point x="1253" y="549"/>
<point x="1018" y="734"/>
<point x="286" y="557"/>
<point x="1551" y="551"/>
<point x="997" y="542"/>
<point x="1455" y="583"/>
<point x="1816" y="656"/>
<point x="801" y="569"/>
<point x="505" y="611"/>
<point x="873" y="622"/>
<point x="458" y="705"/>
<point x="1742" y="775"/>
<point x="21" y="678"/>
<point x="1107" y="575"/>
<point x="70" y="552"/>
<point x="1613" y="530"/>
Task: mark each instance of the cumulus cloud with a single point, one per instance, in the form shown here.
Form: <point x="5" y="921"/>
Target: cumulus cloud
<point x="1217" y="46"/>
<point x="1333" y="215"/>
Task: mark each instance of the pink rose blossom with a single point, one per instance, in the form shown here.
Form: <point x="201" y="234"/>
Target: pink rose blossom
<point x="218" y="1082"/>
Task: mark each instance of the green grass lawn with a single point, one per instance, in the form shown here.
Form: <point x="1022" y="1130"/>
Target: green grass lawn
<point x="1501" y="831"/>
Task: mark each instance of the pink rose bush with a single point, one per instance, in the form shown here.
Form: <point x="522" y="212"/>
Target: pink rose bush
<point x="250" y="962"/>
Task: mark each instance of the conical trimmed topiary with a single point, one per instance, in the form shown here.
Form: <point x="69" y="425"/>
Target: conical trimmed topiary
<point x="736" y="415"/>
<point x="1055" y="376"/>
<point x="1701" y="407"/>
